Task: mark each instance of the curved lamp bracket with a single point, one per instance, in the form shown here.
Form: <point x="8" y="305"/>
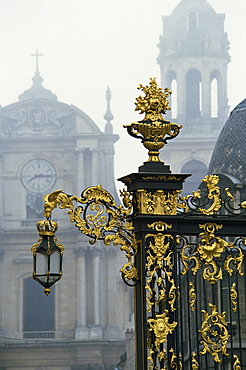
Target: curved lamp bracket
<point x="98" y="217"/>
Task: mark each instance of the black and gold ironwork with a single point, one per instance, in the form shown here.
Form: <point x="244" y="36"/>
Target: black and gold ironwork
<point x="98" y="217"/>
<point x="185" y="254"/>
<point x="214" y="333"/>
<point x="209" y="252"/>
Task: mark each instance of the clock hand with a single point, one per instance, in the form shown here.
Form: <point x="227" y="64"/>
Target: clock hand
<point x="38" y="176"/>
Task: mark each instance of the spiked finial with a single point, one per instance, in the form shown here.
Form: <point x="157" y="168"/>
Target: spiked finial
<point x="108" y="116"/>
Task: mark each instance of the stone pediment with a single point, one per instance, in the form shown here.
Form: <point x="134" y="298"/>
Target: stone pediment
<point x="37" y="117"/>
<point x="44" y="118"/>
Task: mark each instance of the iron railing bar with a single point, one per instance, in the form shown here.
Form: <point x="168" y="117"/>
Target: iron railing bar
<point x="181" y="309"/>
<point x="239" y="319"/>
<point x="230" y="317"/>
<point x="206" y="305"/>
<point x="196" y="318"/>
<point x="213" y="301"/>
<point x="189" y="321"/>
<point x="220" y="285"/>
<point x="175" y="274"/>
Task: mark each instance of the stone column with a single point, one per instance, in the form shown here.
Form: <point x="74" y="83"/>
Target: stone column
<point x="96" y="329"/>
<point x="181" y="111"/>
<point x="112" y="330"/>
<point x="2" y="292"/>
<point x="80" y="171"/>
<point x="81" y="331"/>
<point x="94" y="167"/>
<point x="109" y="154"/>
<point x="206" y="92"/>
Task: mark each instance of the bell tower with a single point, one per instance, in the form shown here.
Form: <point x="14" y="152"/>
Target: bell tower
<point x="193" y="61"/>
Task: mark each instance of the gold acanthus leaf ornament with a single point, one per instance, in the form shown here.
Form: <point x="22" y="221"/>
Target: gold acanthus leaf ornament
<point x="208" y="251"/>
<point x="213" y="193"/>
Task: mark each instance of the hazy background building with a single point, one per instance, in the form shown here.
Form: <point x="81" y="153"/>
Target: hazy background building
<point x="47" y="145"/>
<point x="193" y="61"/>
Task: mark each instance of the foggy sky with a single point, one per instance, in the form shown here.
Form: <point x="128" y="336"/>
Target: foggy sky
<point x="89" y="44"/>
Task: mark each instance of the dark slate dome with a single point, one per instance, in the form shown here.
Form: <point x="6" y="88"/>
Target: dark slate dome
<point x="229" y="155"/>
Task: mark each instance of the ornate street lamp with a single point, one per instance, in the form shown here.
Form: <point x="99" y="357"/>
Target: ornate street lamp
<point x="47" y="255"/>
<point x="187" y="276"/>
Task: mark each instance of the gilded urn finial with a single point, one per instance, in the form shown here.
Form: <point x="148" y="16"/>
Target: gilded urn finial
<point x="153" y="130"/>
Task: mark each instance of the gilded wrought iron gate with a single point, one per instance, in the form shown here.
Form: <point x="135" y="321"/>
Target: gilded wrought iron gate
<point x="195" y="298"/>
<point x="191" y="254"/>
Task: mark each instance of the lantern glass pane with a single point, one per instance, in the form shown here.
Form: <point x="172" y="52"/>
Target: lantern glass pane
<point x="55" y="258"/>
<point x="41" y="264"/>
<point x="43" y="279"/>
<point x="53" y="279"/>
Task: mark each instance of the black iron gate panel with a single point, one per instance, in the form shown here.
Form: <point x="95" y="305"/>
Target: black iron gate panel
<point x="195" y="299"/>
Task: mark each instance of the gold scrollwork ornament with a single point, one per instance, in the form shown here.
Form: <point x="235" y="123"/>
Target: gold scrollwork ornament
<point x="237" y="363"/>
<point x="233" y="296"/>
<point x="173" y="362"/>
<point x="106" y="221"/>
<point x="194" y="362"/>
<point x="213" y="194"/>
<point x="192" y="295"/>
<point x="214" y="333"/>
<point x="209" y="250"/>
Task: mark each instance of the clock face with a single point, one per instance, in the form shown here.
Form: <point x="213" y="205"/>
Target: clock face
<point x="38" y="175"/>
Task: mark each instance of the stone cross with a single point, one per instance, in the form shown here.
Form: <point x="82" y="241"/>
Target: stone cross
<point x="37" y="55"/>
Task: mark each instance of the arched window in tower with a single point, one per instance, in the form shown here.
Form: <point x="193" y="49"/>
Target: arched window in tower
<point x="215" y="93"/>
<point x="193" y="93"/>
<point x="174" y="100"/>
<point x="192" y="22"/>
<point x="38" y="311"/>
<point x="214" y="98"/>
<point x="171" y="83"/>
<point x="198" y="171"/>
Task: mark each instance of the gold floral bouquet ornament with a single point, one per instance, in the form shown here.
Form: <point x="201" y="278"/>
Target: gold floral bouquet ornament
<point x="153" y="130"/>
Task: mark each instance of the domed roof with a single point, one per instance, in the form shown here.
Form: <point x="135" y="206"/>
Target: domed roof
<point x="194" y="22"/>
<point x="177" y="20"/>
<point x="229" y="155"/>
<point x="200" y="6"/>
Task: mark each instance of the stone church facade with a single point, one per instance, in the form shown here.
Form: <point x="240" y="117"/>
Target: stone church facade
<point x="47" y="145"/>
